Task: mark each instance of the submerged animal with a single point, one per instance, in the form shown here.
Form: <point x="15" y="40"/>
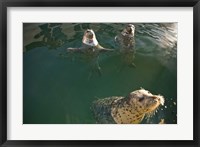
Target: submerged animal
<point x="126" y="110"/>
<point x="126" y="43"/>
<point x="89" y="42"/>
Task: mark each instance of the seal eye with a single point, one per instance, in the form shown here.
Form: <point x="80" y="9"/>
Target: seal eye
<point x="141" y="99"/>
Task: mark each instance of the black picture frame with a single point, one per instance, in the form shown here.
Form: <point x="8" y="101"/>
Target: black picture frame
<point x="100" y="3"/>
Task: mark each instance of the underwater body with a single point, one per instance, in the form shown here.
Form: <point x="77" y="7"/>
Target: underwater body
<point x="59" y="87"/>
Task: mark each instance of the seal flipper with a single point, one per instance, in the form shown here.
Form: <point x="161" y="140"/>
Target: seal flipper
<point x="117" y="40"/>
<point x="73" y="49"/>
<point x="102" y="49"/>
<point x="82" y="48"/>
<point x="106" y="49"/>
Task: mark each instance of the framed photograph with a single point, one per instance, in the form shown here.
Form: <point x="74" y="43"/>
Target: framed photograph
<point x="87" y="73"/>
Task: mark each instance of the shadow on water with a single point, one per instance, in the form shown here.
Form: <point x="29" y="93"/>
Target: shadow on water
<point x="58" y="87"/>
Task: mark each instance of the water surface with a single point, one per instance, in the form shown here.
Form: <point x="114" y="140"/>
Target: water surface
<point x="58" y="87"/>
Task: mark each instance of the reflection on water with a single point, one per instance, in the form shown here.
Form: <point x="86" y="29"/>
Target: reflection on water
<point x="59" y="86"/>
<point x="50" y="35"/>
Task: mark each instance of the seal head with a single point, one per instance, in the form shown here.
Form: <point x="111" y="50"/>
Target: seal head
<point x="126" y="38"/>
<point x="129" y="30"/>
<point x="90" y="43"/>
<point x="135" y="106"/>
<point x="127" y="110"/>
<point x="89" y="38"/>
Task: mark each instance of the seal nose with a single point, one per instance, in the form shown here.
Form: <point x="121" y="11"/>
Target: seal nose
<point x="87" y="31"/>
<point x="130" y="29"/>
<point x="159" y="99"/>
<point x="155" y="99"/>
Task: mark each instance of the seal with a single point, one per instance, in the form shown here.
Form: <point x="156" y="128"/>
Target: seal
<point x="126" y="43"/>
<point x="131" y="109"/>
<point x="126" y="39"/>
<point x="90" y="49"/>
<point x="89" y="42"/>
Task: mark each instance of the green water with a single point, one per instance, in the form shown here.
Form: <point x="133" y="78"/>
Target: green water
<point x="58" y="87"/>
